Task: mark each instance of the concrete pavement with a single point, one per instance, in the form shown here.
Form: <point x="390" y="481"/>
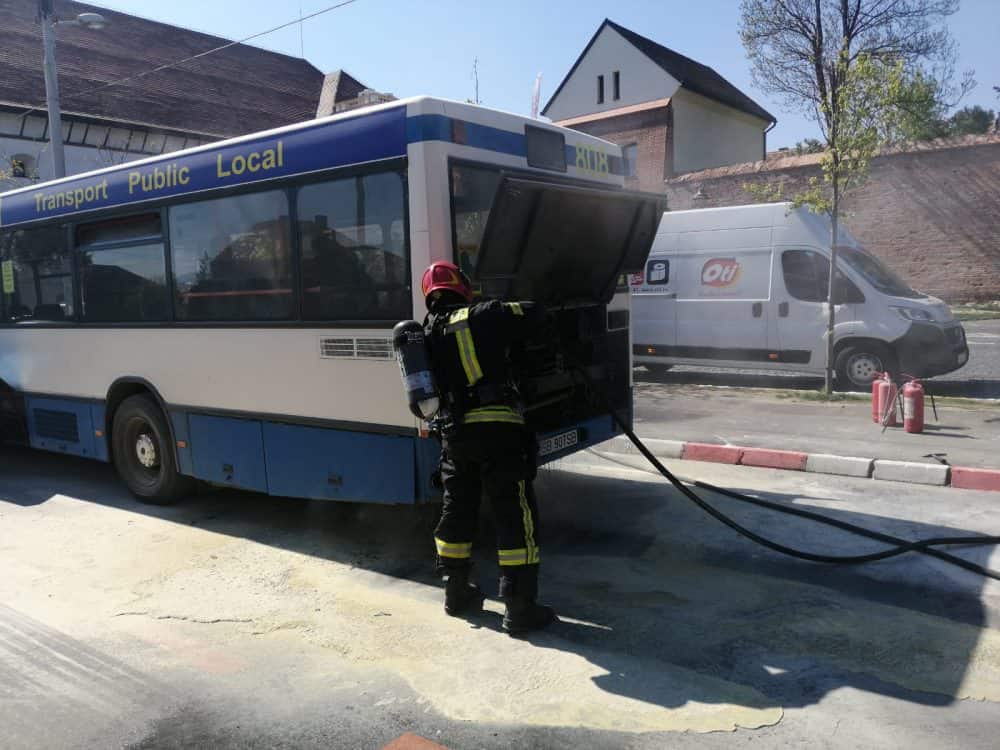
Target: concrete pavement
<point x="235" y="620"/>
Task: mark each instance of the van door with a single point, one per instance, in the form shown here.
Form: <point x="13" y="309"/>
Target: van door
<point x="802" y="279"/>
<point x="721" y="303"/>
<point x="654" y="313"/>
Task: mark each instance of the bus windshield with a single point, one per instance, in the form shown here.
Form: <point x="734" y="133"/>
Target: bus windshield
<point x="877" y="273"/>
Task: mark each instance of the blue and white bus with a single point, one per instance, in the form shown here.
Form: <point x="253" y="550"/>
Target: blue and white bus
<point x="224" y="313"/>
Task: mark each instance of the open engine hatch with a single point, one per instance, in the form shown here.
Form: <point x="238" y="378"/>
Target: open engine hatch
<point x="564" y="245"/>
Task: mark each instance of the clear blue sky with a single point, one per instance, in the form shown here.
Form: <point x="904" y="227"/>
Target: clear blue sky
<point x="428" y="46"/>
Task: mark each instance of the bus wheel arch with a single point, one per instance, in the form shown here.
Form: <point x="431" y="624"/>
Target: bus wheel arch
<point x="857" y="359"/>
<point x="135" y="414"/>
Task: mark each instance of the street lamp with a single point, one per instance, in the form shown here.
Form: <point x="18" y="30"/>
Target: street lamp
<point x="47" y="19"/>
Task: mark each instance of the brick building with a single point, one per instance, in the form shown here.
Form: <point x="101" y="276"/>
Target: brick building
<point x="670" y="113"/>
<point x="239" y="89"/>
<point x="930" y="210"/>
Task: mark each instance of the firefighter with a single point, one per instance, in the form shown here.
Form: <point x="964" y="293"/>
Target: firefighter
<point x="486" y="448"/>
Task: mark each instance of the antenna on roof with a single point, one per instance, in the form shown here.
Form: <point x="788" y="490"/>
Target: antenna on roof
<point x="475" y="78"/>
<point x="302" y="42"/>
<point x="536" y="94"/>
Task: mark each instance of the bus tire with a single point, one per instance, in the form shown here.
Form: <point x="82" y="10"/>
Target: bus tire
<point x="141" y="448"/>
<point x="857" y="364"/>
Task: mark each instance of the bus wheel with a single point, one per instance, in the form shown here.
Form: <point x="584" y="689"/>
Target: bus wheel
<point x="140" y="444"/>
<point x="858" y="364"/>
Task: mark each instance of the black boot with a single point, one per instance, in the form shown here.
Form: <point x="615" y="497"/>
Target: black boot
<point x="461" y="596"/>
<point x="518" y="589"/>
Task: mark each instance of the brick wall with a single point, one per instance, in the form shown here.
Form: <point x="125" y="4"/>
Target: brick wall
<point x="932" y="211"/>
<point x="650" y="131"/>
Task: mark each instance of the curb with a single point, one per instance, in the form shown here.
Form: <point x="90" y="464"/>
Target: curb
<point x="938" y="475"/>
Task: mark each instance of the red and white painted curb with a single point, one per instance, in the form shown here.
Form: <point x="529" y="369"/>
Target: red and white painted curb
<point x="915" y="472"/>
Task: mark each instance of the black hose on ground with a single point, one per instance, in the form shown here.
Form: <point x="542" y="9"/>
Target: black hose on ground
<point x="898" y="546"/>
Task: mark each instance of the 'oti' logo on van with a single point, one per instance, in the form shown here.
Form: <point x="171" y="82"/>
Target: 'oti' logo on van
<point x="720" y="272"/>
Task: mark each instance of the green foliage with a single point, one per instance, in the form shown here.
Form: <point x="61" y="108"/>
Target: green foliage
<point x="856" y="113"/>
<point x="809" y="146"/>
<point x="916" y="111"/>
<point x="971" y="121"/>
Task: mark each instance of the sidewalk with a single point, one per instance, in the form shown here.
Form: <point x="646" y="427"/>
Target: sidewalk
<point x="965" y="436"/>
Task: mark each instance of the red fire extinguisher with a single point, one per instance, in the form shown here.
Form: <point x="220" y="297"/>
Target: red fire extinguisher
<point x="876" y="409"/>
<point x="887" y="401"/>
<point x="913" y="406"/>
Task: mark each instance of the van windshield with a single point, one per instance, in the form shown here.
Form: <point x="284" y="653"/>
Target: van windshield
<point x="876" y="273"/>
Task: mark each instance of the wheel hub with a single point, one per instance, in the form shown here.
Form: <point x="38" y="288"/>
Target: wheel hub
<point x="862" y="368"/>
<point x="145" y="451"/>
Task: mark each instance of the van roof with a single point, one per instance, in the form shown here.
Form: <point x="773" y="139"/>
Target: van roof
<point x="789" y="224"/>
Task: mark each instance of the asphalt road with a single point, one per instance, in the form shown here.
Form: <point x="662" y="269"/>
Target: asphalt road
<point x="979" y="378"/>
<point x="241" y="621"/>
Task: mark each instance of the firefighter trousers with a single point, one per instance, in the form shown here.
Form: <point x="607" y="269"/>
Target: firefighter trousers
<point x="491" y="460"/>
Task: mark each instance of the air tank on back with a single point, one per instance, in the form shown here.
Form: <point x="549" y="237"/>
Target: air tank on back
<point x="410" y="345"/>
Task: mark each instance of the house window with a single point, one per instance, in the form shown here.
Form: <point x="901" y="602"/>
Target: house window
<point x="616" y="85"/>
<point x="600" y="89"/>
<point x="630" y="155"/>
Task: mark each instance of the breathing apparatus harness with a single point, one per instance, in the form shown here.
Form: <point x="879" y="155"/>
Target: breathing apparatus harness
<point x="458" y="399"/>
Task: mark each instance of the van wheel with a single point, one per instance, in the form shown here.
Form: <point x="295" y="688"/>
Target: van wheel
<point x="857" y="365"/>
<point x="140" y="445"/>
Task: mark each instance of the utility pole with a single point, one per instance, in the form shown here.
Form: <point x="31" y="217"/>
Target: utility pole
<point x="45" y="18"/>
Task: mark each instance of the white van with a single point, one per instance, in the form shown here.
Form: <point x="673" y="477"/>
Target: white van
<point x="745" y="287"/>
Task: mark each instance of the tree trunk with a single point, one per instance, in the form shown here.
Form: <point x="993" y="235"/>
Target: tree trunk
<point x="830" y="299"/>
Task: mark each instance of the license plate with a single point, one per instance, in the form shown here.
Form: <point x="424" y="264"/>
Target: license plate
<point x="559" y="442"/>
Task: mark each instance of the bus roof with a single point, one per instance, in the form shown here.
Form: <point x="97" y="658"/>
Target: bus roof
<point x="368" y="134"/>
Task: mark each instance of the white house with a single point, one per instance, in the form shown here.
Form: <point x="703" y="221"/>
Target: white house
<point x="672" y="114"/>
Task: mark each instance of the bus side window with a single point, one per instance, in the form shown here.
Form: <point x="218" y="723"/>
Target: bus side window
<point x="232" y="258"/>
<point x="36" y="275"/>
<point x="123" y="269"/>
<point x="355" y="259"/>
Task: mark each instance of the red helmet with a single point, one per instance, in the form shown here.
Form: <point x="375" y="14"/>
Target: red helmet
<point x="444" y="276"/>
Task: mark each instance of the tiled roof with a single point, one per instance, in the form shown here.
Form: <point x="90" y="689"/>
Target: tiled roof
<point x="238" y="90"/>
<point x="691" y="74"/>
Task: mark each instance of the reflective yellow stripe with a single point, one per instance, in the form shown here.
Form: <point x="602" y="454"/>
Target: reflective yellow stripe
<point x="493" y="414"/>
<point x="529" y="525"/>
<point x="515" y="307"/>
<point x="513" y="556"/>
<point x="466" y="347"/>
<point x="458" y="550"/>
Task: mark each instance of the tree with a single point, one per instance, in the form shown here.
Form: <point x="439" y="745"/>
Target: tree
<point x="918" y="112"/>
<point x="809" y="146"/>
<point x="846" y="64"/>
<point x="971" y="121"/>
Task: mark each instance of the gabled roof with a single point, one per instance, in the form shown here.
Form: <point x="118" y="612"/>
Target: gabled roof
<point x="237" y="90"/>
<point x="338" y="86"/>
<point x="692" y="75"/>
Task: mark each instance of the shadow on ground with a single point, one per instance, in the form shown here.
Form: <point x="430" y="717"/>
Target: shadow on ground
<point x="653" y="588"/>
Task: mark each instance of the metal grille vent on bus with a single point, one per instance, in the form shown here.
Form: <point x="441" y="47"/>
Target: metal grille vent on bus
<point x="57" y="425"/>
<point x="347" y="347"/>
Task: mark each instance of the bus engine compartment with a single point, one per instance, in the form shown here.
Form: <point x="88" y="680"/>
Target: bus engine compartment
<point x="565" y="247"/>
<point x="553" y="392"/>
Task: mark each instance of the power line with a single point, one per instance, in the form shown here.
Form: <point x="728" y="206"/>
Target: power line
<point x="167" y="66"/>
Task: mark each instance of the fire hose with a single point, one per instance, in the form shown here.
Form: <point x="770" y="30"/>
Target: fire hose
<point x="897" y="546"/>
